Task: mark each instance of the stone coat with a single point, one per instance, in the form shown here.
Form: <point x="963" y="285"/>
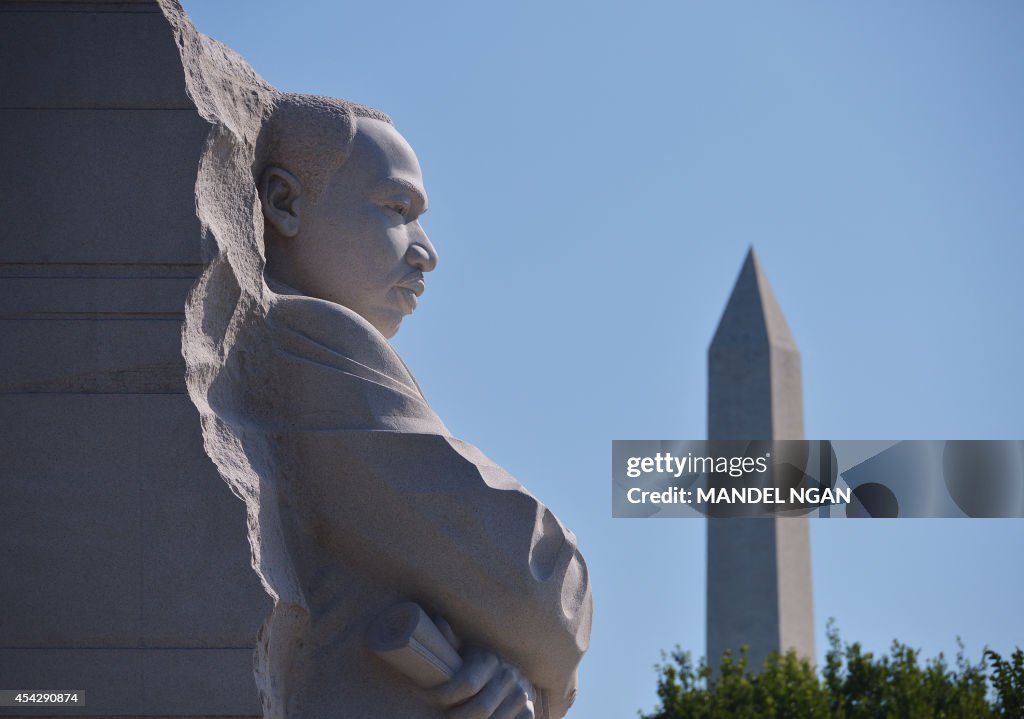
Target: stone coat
<point x="376" y="503"/>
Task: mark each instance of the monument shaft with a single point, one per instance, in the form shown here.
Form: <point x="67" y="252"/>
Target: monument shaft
<point x="759" y="570"/>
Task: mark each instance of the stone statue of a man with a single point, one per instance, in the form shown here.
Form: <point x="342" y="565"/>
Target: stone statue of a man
<point x="360" y="498"/>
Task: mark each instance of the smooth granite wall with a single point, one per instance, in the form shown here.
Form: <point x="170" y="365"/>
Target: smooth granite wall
<point x="124" y="566"/>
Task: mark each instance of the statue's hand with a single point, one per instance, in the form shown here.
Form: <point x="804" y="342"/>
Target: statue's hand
<point x="483" y="688"/>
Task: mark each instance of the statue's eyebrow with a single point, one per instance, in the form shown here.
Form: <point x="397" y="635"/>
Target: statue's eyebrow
<point x="418" y="197"/>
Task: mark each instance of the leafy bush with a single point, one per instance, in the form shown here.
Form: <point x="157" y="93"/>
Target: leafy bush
<point x="853" y="684"/>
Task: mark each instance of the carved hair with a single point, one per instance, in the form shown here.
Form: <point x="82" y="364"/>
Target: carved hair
<point x="311" y="137"/>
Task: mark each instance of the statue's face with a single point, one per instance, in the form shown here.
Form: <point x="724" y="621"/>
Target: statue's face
<point x="361" y="245"/>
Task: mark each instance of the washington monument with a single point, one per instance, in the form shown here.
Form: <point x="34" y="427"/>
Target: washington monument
<point x="759" y="570"/>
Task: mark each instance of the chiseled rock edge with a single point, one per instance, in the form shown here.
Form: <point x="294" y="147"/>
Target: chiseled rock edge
<point x="231" y="294"/>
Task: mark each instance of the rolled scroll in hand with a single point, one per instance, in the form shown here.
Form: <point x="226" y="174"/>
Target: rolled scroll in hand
<point x="407" y="639"/>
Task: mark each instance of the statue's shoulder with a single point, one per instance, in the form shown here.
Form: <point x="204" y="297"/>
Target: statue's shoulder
<point x="335" y="336"/>
<point x="291" y="318"/>
<point x="313" y="314"/>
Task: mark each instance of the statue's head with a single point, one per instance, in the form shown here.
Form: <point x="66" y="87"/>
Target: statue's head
<point x="342" y="194"/>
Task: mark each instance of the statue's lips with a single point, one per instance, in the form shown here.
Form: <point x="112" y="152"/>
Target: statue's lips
<point x="410" y="289"/>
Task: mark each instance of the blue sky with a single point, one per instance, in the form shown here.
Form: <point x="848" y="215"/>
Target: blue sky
<point x="596" y="173"/>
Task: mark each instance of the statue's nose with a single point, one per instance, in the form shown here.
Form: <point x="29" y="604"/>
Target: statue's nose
<point x="421" y="253"/>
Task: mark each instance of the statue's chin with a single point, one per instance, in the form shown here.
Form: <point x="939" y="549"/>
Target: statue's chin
<point x="389" y="329"/>
<point x="389" y="321"/>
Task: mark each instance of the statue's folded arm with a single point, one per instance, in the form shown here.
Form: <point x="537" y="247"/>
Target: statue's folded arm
<point x="370" y="484"/>
<point x="430" y="518"/>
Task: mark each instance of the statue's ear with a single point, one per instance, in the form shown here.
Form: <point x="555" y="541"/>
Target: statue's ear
<point x="281" y="197"/>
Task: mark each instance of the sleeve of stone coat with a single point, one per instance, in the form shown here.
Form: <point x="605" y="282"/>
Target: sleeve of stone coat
<point x="371" y="486"/>
<point x="432" y="518"/>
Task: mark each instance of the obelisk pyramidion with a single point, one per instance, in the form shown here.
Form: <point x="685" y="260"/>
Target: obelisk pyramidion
<point x="759" y="569"/>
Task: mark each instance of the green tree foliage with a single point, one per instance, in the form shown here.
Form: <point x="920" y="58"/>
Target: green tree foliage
<point x="853" y="684"/>
<point x="1008" y="682"/>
